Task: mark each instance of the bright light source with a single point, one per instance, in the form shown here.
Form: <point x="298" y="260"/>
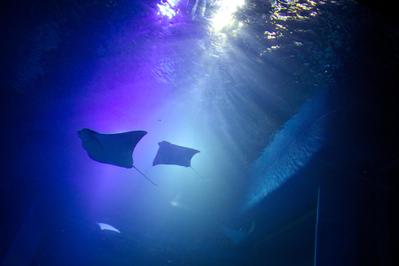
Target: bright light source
<point x="172" y="3"/>
<point x="224" y="16"/>
<point x="168" y="8"/>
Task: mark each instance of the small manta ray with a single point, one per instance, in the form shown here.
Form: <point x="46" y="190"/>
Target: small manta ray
<point x="169" y="153"/>
<point x="107" y="227"/>
<point x="116" y="149"/>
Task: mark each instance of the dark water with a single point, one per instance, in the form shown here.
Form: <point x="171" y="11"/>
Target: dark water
<point x="291" y="104"/>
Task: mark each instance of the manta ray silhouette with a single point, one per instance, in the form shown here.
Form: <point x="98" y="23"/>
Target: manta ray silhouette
<point x="116" y="149"/>
<point x="169" y="153"/>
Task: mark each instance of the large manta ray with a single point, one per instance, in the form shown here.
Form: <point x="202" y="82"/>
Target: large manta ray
<point x="116" y="149"/>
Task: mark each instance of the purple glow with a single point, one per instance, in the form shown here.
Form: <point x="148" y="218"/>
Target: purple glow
<point x="146" y="85"/>
<point x="136" y="89"/>
<point x="168" y="8"/>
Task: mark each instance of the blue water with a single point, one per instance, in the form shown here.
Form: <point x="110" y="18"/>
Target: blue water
<point x="238" y="80"/>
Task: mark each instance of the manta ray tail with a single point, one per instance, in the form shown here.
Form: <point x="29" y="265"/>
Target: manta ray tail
<point x="146" y="177"/>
